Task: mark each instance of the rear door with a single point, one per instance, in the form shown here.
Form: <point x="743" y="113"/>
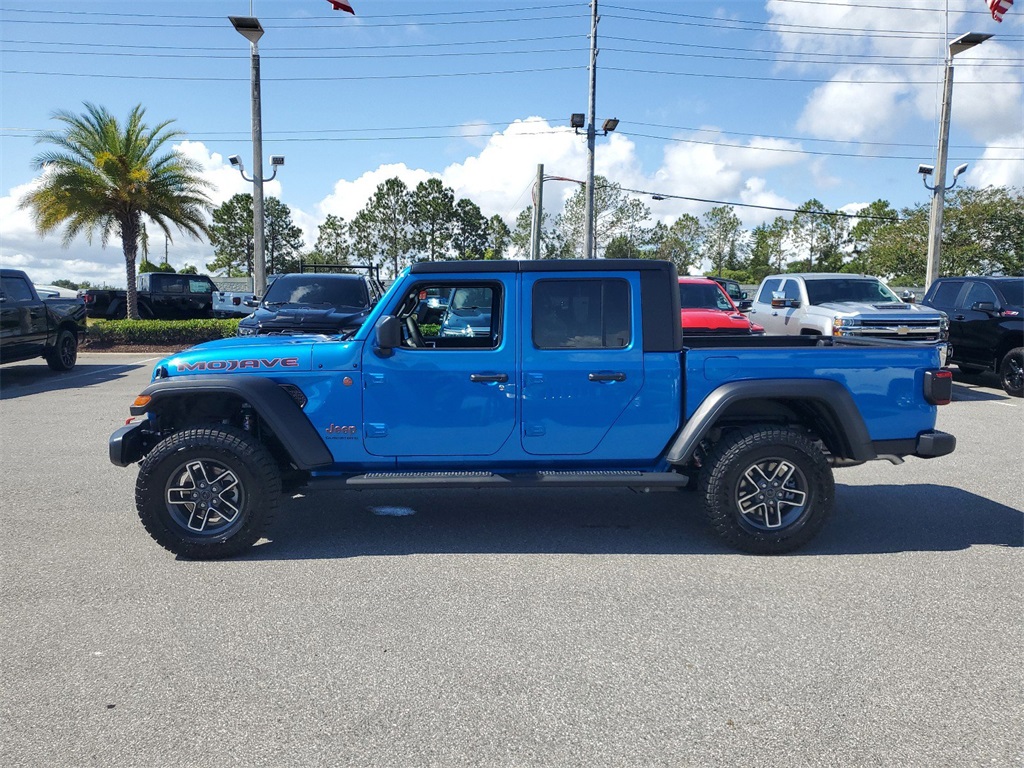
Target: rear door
<point x="582" y="358"/>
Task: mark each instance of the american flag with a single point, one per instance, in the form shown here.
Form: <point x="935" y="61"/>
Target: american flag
<point x="999" y="7"/>
<point x="341" y="5"/>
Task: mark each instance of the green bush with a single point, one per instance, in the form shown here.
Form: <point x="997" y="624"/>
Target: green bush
<point x="181" y="333"/>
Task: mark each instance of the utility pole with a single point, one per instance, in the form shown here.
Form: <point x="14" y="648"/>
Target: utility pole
<point x="538" y="213"/>
<point x="588" y="234"/>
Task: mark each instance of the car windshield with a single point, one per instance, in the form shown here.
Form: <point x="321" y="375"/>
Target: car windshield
<point x="703" y="296"/>
<point x="318" y="290"/>
<point x="840" y="290"/>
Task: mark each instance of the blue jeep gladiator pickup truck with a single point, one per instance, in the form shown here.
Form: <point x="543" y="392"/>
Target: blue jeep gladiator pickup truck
<point x="582" y="377"/>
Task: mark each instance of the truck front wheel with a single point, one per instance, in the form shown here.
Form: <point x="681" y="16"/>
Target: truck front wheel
<point x="767" y="490"/>
<point x="1011" y="372"/>
<point x="208" y="492"/>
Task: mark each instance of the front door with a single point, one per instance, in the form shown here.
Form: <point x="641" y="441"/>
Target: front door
<point x="582" y="359"/>
<point x="450" y="389"/>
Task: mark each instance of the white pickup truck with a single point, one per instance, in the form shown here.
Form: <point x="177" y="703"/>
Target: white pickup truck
<point x="848" y="305"/>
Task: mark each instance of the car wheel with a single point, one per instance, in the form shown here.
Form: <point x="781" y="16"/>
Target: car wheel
<point x="1011" y="372"/>
<point x="970" y="370"/>
<point x="64" y="354"/>
<point x="208" y="492"/>
<point x="767" y="490"/>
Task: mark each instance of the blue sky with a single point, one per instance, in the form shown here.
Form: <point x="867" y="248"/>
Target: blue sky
<point x="753" y="103"/>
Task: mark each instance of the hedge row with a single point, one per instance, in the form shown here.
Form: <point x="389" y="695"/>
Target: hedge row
<point x="159" y="332"/>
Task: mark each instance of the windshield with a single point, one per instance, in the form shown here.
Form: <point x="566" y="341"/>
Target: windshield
<point x="867" y="291"/>
<point x="318" y="290"/>
<point x="703" y="296"/>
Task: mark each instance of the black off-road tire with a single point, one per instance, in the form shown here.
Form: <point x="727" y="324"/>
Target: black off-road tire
<point x="1011" y="372"/>
<point x="64" y="354"/>
<point x="767" y="490"/>
<point x="223" y="468"/>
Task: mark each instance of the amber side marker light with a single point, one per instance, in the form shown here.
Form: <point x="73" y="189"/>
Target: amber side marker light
<point x="938" y="386"/>
<point x="141" y="400"/>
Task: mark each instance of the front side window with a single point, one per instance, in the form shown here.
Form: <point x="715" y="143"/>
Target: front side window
<point x="979" y="292"/>
<point x="440" y="315"/>
<point x="581" y="314"/>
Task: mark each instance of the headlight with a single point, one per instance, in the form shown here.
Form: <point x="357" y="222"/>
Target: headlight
<point x="944" y="327"/>
<point x="843" y="325"/>
<point x="246" y="330"/>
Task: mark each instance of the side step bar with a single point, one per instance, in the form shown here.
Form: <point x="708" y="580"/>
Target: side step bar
<point x="568" y="479"/>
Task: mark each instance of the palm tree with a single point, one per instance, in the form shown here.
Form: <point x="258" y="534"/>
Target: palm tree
<point x="105" y="176"/>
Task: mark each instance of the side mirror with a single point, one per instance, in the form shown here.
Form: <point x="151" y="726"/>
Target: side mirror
<point x="253" y="302"/>
<point x="743" y="296"/>
<point x="908" y="297"/>
<point x="389" y="335"/>
<point x="783" y="303"/>
<point x="983" y="306"/>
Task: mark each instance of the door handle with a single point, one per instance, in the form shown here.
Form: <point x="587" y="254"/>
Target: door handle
<point x="488" y="378"/>
<point x="959" y="317"/>
<point x="606" y="377"/>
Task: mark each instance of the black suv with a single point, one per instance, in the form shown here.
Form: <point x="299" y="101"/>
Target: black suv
<point x="986" y="325"/>
<point x="327" y="303"/>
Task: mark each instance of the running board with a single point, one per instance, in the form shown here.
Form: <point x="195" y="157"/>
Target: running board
<point x="469" y="479"/>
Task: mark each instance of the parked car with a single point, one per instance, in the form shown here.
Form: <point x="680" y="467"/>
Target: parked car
<point x="986" y="325"/>
<point x="706" y="308"/>
<point x="324" y="303"/>
<point x="33" y="326"/>
<point x="161" y="295"/>
<point x="467" y="312"/>
<point x="848" y="305"/>
<point x="736" y="293"/>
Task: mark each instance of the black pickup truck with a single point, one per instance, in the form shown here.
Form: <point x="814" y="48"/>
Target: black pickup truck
<point x="162" y="296"/>
<point x="32" y="327"/>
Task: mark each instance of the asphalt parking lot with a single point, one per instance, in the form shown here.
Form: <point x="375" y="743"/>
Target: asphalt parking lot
<point x="512" y="628"/>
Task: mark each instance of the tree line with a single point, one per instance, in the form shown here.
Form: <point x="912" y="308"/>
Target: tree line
<point x="983" y="234"/>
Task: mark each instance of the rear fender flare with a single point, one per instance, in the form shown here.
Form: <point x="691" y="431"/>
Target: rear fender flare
<point x="850" y="435"/>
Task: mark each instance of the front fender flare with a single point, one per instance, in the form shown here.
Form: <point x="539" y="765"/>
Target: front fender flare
<point x="273" y="405"/>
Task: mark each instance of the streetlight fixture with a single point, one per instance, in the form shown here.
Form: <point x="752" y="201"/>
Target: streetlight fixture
<point x="959" y="45"/>
<point x="250" y="28"/>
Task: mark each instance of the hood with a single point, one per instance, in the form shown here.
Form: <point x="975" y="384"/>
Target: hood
<point x="293" y="319"/>
<point x="252" y="354"/>
<point x="895" y="310"/>
<point x="714" y="320"/>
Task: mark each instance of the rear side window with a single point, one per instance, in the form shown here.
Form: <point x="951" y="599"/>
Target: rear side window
<point x="946" y="293"/>
<point x="581" y="314"/>
<point x="769" y="287"/>
<point x="16" y="289"/>
<point x="199" y="286"/>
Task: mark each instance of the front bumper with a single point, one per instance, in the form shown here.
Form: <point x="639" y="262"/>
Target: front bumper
<point x="127" y="444"/>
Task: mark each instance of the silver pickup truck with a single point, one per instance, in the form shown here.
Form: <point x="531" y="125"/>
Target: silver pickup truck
<point x="845" y="305"/>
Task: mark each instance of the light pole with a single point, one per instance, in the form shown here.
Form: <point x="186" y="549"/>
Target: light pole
<point x="258" y="245"/>
<point x="578" y="122"/>
<point x="959" y="45"/>
<point x="250" y="28"/>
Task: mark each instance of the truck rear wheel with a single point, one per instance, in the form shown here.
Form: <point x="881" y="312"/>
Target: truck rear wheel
<point x="1011" y="372"/>
<point x="208" y="492"/>
<point x="64" y="354"/>
<point x="767" y="490"/>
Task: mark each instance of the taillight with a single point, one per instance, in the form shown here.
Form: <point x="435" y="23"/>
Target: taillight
<point x="938" y="386"/>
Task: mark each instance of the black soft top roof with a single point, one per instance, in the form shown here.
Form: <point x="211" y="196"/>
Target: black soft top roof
<point x="659" y="288"/>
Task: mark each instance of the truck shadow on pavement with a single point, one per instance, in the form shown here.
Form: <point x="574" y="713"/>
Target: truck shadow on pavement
<point x="984" y="386"/>
<point x="21" y="380"/>
<point x="868" y="520"/>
